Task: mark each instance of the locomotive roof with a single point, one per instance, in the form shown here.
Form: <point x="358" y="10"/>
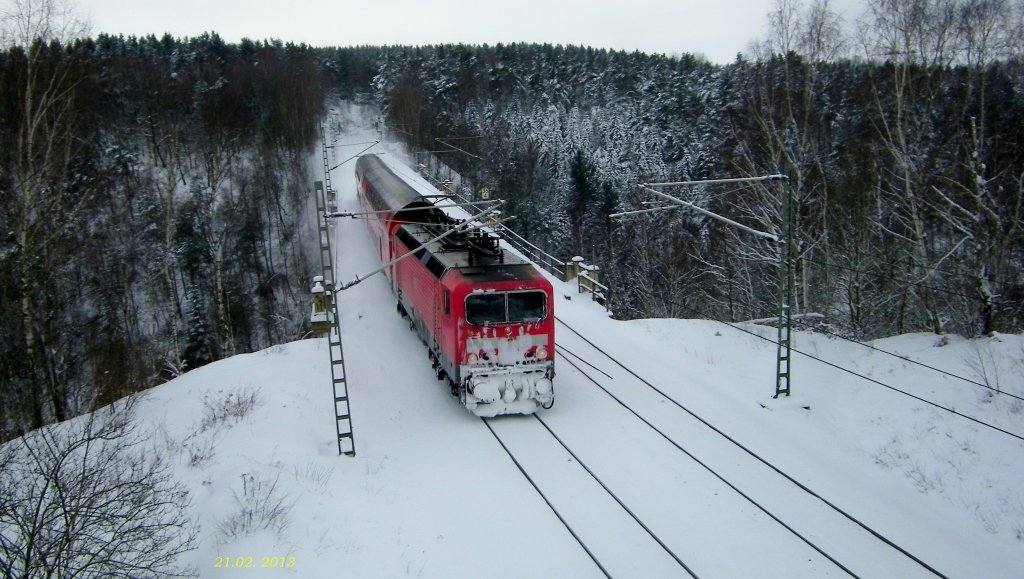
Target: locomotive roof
<point x="397" y="196"/>
<point x="392" y="190"/>
<point x="509" y="267"/>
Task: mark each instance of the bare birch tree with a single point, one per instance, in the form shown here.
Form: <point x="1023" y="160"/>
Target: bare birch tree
<point x="786" y="110"/>
<point x="984" y="203"/>
<point x="944" y="218"/>
<point x="916" y="38"/>
<point x="40" y="205"/>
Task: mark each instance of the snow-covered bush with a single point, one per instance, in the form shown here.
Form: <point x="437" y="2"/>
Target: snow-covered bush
<point x="261" y="506"/>
<point x="233" y="406"/>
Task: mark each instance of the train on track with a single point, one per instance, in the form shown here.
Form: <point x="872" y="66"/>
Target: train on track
<point x="485" y="315"/>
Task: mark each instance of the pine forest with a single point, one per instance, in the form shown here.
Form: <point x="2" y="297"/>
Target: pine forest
<point x="156" y="193"/>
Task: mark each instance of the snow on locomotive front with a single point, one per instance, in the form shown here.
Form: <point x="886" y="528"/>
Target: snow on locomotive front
<point x="485" y="315"/>
<point x="505" y="339"/>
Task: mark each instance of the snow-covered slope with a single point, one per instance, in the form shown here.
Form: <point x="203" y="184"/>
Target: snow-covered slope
<point x="431" y="493"/>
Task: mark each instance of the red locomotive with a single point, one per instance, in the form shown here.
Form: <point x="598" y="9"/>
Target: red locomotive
<point x="485" y="315"/>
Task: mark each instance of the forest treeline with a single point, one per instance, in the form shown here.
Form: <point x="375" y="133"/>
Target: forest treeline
<point x="156" y="212"/>
<point x="906" y="163"/>
<point x="156" y="191"/>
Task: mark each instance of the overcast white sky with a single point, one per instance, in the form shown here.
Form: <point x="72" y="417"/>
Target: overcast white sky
<point x="718" y="29"/>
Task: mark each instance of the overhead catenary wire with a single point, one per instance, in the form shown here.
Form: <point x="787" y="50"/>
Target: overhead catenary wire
<point x="352" y="144"/>
<point x="708" y="189"/>
<point x="503" y="227"/>
<point x="758" y="179"/>
<point x="485" y="226"/>
<point x="375" y="143"/>
<point x="511" y="232"/>
<point x="540" y="256"/>
<point x="437" y="151"/>
<point x="642" y="211"/>
<point x="410" y="209"/>
<point x="461" y="227"/>
<point x="379" y="219"/>
<point x="458" y="149"/>
<point x="403" y="131"/>
<point x="750" y="230"/>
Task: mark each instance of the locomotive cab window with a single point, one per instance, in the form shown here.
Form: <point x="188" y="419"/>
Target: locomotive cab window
<point x="526" y="306"/>
<point x="506" y="308"/>
<point x="485" y="308"/>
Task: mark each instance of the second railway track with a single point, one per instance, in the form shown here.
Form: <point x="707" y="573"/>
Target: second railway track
<point x="705" y="487"/>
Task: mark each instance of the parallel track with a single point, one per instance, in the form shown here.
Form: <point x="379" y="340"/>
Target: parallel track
<point x="590" y="370"/>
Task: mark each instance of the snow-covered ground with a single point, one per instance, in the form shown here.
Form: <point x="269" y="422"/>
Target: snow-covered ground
<point x="431" y="493"/>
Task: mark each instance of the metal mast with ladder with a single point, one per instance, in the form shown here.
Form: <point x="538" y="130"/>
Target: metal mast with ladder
<point x="785" y="245"/>
<point x="786" y="253"/>
<point x="339" y="384"/>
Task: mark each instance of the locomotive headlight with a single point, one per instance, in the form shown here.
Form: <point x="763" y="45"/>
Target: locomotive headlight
<point x="472" y="358"/>
<point x="542" y="353"/>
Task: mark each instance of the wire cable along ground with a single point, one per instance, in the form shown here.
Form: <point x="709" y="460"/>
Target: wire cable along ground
<point x="922" y="364"/>
<point x="883" y="384"/>
<point x="743" y="448"/>
<point x="826" y="332"/>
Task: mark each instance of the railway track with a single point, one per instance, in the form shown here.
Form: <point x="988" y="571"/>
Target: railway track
<point x="613" y="536"/>
<point x="788" y="509"/>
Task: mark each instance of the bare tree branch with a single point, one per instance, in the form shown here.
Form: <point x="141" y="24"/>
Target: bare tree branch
<point x="90" y="498"/>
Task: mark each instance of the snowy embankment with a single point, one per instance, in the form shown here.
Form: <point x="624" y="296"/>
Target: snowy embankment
<point x="432" y="494"/>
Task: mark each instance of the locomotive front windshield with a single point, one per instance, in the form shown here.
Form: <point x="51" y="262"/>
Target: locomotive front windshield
<point x="506" y="308"/>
